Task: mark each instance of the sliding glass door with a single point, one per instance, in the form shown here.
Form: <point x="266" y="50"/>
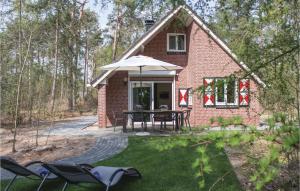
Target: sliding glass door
<point x="150" y="95"/>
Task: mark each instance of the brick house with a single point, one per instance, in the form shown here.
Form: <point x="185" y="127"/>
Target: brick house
<point x="183" y="39"/>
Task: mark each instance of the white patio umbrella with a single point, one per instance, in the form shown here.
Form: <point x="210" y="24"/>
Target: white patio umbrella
<point x="136" y="63"/>
<point x="139" y="63"/>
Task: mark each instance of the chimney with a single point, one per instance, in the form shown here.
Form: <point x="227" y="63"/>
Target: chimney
<point x="149" y="23"/>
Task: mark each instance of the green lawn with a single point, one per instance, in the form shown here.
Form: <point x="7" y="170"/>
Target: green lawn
<point x="164" y="162"/>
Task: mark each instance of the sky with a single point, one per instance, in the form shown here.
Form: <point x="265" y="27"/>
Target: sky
<point x="102" y="13"/>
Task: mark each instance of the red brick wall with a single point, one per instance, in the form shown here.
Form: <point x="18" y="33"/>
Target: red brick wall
<point x="117" y="96"/>
<point x="204" y="58"/>
<point x="102" y="105"/>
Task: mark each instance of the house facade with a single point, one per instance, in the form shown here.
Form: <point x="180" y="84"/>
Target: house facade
<point x="182" y="38"/>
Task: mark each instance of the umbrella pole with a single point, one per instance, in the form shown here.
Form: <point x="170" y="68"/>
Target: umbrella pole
<point x="143" y="117"/>
<point x="140" y="76"/>
<point x="140" y="92"/>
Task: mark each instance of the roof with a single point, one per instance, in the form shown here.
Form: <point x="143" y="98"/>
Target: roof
<point x="159" y="25"/>
<point x="103" y="73"/>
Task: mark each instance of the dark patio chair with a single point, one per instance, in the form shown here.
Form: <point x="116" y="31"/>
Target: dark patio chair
<point x="84" y="173"/>
<point x="32" y="170"/>
<point x="117" y="118"/>
<point x="138" y="117"/>
<point x="163" y="118"/>
<point x="187" y="114"/>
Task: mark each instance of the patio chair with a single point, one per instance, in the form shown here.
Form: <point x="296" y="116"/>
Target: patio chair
<point x="136" y="117"/>
<point x="84" y="173"/>
<point x="163" y="117"/>
<point x="32" y="170"/>
<point x="117" y="117"/>
<point x="187" y="114"/>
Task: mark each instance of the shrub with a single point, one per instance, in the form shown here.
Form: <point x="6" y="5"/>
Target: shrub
<point x="271" y="122"/>
<point x="212" y="120"/>
<point x="283" y="118"/>
<point x="227" y="122"/>
<point x="221" y="121"/>
<point x="277" y="117"/>
<point x="237" y="120"/>
<point x="280" y="117"/>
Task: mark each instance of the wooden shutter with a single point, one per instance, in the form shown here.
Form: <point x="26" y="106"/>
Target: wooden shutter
<point x="183" y="97"/>
<point x="209" y="93"/>
<point x="244" y="93"/>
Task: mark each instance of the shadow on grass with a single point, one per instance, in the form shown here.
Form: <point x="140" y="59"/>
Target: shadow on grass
<point x="165" y="164"/>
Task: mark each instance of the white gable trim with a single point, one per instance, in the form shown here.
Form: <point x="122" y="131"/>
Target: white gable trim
<point x="101" y="80"/>
<point x="153" y="31"/>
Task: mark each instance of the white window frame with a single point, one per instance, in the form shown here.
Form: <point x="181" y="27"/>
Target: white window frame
<point x="176" y="35"/>
<point x="224" y="103"/>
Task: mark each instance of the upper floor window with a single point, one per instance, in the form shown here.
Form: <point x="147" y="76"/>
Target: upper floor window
<point x="176" y="42"/>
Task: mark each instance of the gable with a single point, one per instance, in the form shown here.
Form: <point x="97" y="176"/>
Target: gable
<point x="159" y="27"/>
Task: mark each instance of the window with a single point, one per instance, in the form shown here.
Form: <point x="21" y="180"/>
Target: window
<point x="226" y="92"/>
<point x="176" y="42"/>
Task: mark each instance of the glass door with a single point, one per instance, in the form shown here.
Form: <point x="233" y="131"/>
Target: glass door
<point x="142" y="96"/>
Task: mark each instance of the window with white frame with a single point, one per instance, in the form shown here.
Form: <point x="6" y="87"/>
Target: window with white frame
<point x="176" y="42"/>
<point x="226" y="92"/>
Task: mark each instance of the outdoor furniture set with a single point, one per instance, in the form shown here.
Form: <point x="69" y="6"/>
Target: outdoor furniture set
<point x="179" y="118"/>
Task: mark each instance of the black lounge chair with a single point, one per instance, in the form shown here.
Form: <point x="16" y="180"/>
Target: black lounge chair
<point x="84" y="173"/>
<point x="32" y="170"/>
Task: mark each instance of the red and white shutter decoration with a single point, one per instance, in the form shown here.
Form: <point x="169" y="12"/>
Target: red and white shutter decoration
<point x="183" y="97"/>
<point x="244" y="95"/>
<point x="209" y="96"/>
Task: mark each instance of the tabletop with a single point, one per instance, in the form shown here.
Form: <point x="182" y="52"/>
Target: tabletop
<point x="153" y="111"/>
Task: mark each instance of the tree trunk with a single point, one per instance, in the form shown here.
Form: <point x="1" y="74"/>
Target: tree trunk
<point x="52" y="96"/>
<point x="86" y="57"/>
<point x="1" y="72"/>
<point x="30" y="97"/>
<point x="22" y="64"/>
<point x="297" y="15"/>
<point x="20" y="77"/>
<point x="116" y="33"/>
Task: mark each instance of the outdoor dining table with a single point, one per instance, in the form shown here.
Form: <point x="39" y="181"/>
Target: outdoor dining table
<point x="158" y="111"/>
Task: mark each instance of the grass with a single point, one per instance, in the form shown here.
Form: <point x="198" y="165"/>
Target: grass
<point x="165" y="163"/>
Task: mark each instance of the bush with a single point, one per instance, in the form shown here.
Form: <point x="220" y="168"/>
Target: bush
<point x="221" y="121"/>
<point x="271" y="122"/>
<point x="237" y="120"/>
<point x="276" y="117"/>
<point x="226" y="122"/>
<point x="283" y="118"/>
<point x="212" y="120"/>
<point x="280" y="117"/>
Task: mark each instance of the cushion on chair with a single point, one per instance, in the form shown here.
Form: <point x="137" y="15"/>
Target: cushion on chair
<point x="104" y="173"/>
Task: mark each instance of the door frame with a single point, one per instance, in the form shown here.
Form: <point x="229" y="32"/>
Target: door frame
<point x="130" y="97"/>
